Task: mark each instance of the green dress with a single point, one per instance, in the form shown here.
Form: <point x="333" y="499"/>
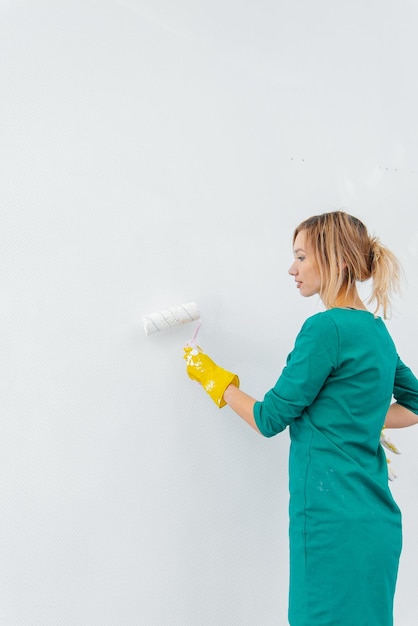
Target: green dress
<point x="345" y="527"/>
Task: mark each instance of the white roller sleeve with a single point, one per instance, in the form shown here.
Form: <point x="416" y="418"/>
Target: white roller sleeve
<point x="180" y="314"/>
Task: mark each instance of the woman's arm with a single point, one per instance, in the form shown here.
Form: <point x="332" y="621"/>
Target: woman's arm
<point x="242" y="404"/>
<point x="400" y="417"/>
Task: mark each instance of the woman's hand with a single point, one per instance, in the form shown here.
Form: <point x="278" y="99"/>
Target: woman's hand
<point x="214" y="379"/>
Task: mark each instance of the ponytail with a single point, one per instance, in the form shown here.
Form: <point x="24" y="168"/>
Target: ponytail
<point x="385" y="272"/>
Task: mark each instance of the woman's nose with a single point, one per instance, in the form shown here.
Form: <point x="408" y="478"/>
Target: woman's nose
<point x="292" y="270"/>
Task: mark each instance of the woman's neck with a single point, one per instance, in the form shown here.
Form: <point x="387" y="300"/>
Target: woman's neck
<point x="350" y="300"/>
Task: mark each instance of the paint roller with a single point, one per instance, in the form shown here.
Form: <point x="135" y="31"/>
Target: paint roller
<point x="174" y="316"/>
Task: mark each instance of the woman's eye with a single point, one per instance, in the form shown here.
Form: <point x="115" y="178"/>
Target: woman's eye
<point x="301" y="258"/>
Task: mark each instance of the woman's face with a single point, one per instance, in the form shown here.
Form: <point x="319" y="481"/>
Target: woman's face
<point x="305" y="269"/>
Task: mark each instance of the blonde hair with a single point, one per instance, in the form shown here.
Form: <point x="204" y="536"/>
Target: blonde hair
<point x="346" y="253"/>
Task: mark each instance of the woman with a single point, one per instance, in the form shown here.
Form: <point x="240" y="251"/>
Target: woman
<point x="335" y="395"/>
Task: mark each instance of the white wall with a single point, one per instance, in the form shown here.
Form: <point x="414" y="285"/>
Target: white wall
<point x="155" y="152"/>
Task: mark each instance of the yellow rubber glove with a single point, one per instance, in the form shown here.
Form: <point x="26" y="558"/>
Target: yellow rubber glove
<point x="389" y="445"/>
<point x="213" y="378"/>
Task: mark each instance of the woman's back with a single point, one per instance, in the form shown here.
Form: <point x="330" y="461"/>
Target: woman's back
<point x="345" y="526"/>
